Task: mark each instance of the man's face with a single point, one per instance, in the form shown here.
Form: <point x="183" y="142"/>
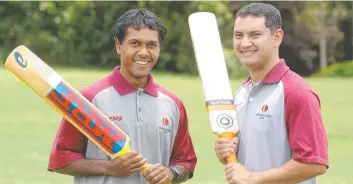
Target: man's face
<point x="253" y="42"/>
<point x="139" y="52"/>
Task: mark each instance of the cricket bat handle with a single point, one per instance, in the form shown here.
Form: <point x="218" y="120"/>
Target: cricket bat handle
<point x="145" y="168"/>
<point x="229" y="135"/>
<point x="126" y="150"/>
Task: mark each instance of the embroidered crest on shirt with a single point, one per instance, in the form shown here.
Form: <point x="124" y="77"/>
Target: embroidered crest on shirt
<point x="165" y="121"/>
<point x="264" y="113"/>
<point x="164" y="126"/>
<point x="264" y="108"/>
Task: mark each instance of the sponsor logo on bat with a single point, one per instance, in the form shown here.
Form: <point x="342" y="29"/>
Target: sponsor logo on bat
<point x="88" y="119"/>
<point x="224" y="121"/>
<point x="219" y="102"/>
<point x="19" y="59"/>
<point x="222" y="104"/>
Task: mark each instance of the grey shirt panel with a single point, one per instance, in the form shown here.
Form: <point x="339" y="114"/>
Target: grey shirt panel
<point x="263" y="140"/>
<point x="151" y="122"/>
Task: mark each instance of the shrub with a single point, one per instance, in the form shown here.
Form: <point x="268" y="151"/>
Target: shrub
<point x="235" y="69"/>
<point x="3" y="56"/>
<point x="342" y="69"/>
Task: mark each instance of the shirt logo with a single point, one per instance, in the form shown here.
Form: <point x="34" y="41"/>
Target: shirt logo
<point x="264" y="108"/>
<point x="165" y="121"/>
<point x="264" y="115"/>
<point x="115" y="118"/>
<point x="164" y="126"/>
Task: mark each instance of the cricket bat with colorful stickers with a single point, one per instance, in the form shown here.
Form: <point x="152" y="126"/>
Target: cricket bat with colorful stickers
<point x="214" y="76"/>
<point x="71" y="104"/>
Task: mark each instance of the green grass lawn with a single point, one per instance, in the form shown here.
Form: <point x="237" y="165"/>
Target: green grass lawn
<point x="29" y="126"/>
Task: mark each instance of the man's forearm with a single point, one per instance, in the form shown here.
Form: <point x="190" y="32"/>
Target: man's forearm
<point x="291" y="172"/>
<point x="184" y="174"/>
<point x="85" y="167"/>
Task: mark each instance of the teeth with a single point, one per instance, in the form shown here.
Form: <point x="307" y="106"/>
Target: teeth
<point x="247" y="52"/>
<point x="142" y="62"/>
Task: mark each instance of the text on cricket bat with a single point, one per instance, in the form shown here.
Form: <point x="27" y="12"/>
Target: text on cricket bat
<point x="88" y="119"/>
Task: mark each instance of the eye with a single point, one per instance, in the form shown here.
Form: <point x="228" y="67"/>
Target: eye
<point x="255" y="35"/>
<point x="134" y="43"/>
<point x="152" y="45"/>
<point x="237" y="36"/>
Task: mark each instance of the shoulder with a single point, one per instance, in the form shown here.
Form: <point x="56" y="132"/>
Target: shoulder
<point x="171" y="96"/>
<point x="90" y="91"/>
<point x="296" y="89"/>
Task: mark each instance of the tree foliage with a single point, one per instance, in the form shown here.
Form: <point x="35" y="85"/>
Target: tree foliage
<point x="80" y="33"/>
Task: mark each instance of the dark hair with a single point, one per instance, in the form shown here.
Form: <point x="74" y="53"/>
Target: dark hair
<point x="273" y="19"/>
<point x="137" y="19"/>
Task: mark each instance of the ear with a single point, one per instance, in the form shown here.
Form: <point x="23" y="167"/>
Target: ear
<point x="118" y="46"/>
<point x="278" y="37"/>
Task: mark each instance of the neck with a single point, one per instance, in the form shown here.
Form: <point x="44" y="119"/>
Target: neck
<point x="258" y="74"/>
<point x="134" y="81"/>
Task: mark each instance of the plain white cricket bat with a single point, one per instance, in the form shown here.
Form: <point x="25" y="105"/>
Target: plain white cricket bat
<point x="214" y="76"/>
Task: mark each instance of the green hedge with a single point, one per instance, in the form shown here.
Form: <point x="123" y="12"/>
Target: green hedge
<point x="3" y="56"/>
<point x="343" y="69"/>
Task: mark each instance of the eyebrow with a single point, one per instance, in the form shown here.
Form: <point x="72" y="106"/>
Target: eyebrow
<point x="152" y="41"/>
<point x="133" y="40"/>
<point x="251" y="32"/>
<point x="136" y="40"/>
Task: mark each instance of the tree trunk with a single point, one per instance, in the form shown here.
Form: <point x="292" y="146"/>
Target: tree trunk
<point x="323" y="53"/>
<point x="323" y="46"/>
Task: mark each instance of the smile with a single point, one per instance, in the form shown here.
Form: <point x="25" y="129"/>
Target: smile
<point x="248" y="53"/>
<point x="140" y="62"/>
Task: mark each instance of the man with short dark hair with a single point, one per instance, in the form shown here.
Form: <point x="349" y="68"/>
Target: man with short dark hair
<point x="154" y="118"/>
<point x="282" y="138"/>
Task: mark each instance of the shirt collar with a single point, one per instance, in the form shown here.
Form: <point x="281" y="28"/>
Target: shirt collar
<point x="275" y="74"/>
<point x="124" y="87"/>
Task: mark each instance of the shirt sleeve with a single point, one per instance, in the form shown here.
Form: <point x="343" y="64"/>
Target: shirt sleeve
<point x="307" y="136"/>
<point x="183" y="152"/>
<point x="69" y="145"/>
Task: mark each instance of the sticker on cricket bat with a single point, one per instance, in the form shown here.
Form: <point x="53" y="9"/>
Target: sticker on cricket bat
<point x="71" y="104"/>
<point x="214" y="76"/>
<point x="87" y="118"/>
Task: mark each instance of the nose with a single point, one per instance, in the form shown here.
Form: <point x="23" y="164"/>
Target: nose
<point x="143" y="52"/>
<point x="245" y="43"/>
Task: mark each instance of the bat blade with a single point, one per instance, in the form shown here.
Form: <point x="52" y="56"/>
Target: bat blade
<point x="71" y="104"/>
<point x="214" y="76"/>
